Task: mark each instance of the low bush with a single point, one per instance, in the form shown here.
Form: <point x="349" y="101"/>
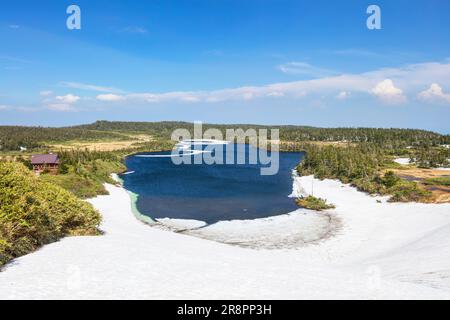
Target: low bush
<point x="34" y="212"/>
<point x="371" y="186"/>
<point x="314" y="203"/>
<point x="86" y="180"/>
<point x="407" y="191"/>
<point x="441" y="181"/>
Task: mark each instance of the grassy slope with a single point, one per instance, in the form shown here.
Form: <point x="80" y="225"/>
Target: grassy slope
<point x="441" y="181"/>
<point x="86" y="181"/>
<point x="34" y="212"/>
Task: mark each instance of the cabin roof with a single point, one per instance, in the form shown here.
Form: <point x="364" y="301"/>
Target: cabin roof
<point x="45" y="159"/>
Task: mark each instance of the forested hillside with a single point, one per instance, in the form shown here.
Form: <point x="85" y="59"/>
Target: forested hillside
<point x="12" y="138"/>
<point x="365" y="166"/>
<point x="389" y="138"/>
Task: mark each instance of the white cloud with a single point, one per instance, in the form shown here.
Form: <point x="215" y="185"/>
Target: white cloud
<point x="46" y="93"/>
<point x="90" y="87"/>
<point x="382" y="83"/>
<point x="14" y="26"/>
<point x="18" y="108"/>
<point x="68" y="99"/>
<point x="275" y="94"/>
<point x="61" y="107"/>
<point x="110" y="97"/>
<point x="343" y="95"/>
<point x="434" y="94"/>
<point x="170" y="96"/>
<point x="387" y="92"/>
<point x="305" y="69"/>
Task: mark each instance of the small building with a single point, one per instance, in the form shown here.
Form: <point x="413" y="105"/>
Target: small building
<point x="45" y="162"/>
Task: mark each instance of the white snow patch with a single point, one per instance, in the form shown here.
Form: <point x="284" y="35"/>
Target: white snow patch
<point x="403" y="161"/>
<point x="407" y="161"/>
<point x="181" y="224"/>
<point x="174" y="155"/>
<point x="287" y="231"/>
<point x="186" y="148"/>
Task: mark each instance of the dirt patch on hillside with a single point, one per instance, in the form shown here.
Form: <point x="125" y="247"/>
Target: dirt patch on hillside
<point x="104" y="145"/>
<point x="440" y="194"/>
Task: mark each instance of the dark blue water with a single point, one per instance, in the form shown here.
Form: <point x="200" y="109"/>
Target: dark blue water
<point x="210" y="193"/>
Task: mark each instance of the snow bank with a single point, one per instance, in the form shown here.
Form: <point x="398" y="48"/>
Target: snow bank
<point x="179" y="225"/>
<point x="403" y="161"/>
<point x="382" y="251"/>
<point x="406" y="161"/>
<point x="185" y="148"/>
<point x="287" y="231"/>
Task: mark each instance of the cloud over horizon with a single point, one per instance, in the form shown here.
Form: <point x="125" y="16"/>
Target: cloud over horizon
<point x="434" y="94"/>
<point x="60" y="107"/>
<point x="89" y="87"/>
<point x="69" y="98"/>
<point x="305" y="69"/>
<point x="389" y="85"/>
<point x="109" y="97"/>
<point x="388" y="93"/>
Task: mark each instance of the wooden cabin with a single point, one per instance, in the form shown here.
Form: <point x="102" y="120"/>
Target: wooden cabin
<point x="45" y="162"/>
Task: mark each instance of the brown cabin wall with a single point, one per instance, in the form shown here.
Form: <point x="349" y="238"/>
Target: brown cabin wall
<point x="40" y="168"/>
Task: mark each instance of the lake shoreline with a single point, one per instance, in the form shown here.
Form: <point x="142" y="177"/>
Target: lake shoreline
<point x="133" y="201"/>
<point x="300" y="227"/>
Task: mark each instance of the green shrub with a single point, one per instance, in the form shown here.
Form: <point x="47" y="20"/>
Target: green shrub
<point x="81" y="186"/>
<point x="371" y="186"/>
<point x="63" y="169"/>
<point x="86" y="180"/>
<point x="390" y="179"/>
<point x="407" y="191"/>
<point x="314" y="203"/>
<point x="34" y="212"/>
<point x="441" y="181"/>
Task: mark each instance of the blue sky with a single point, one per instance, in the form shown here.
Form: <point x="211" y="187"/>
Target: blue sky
<point x="269" y="62"/>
